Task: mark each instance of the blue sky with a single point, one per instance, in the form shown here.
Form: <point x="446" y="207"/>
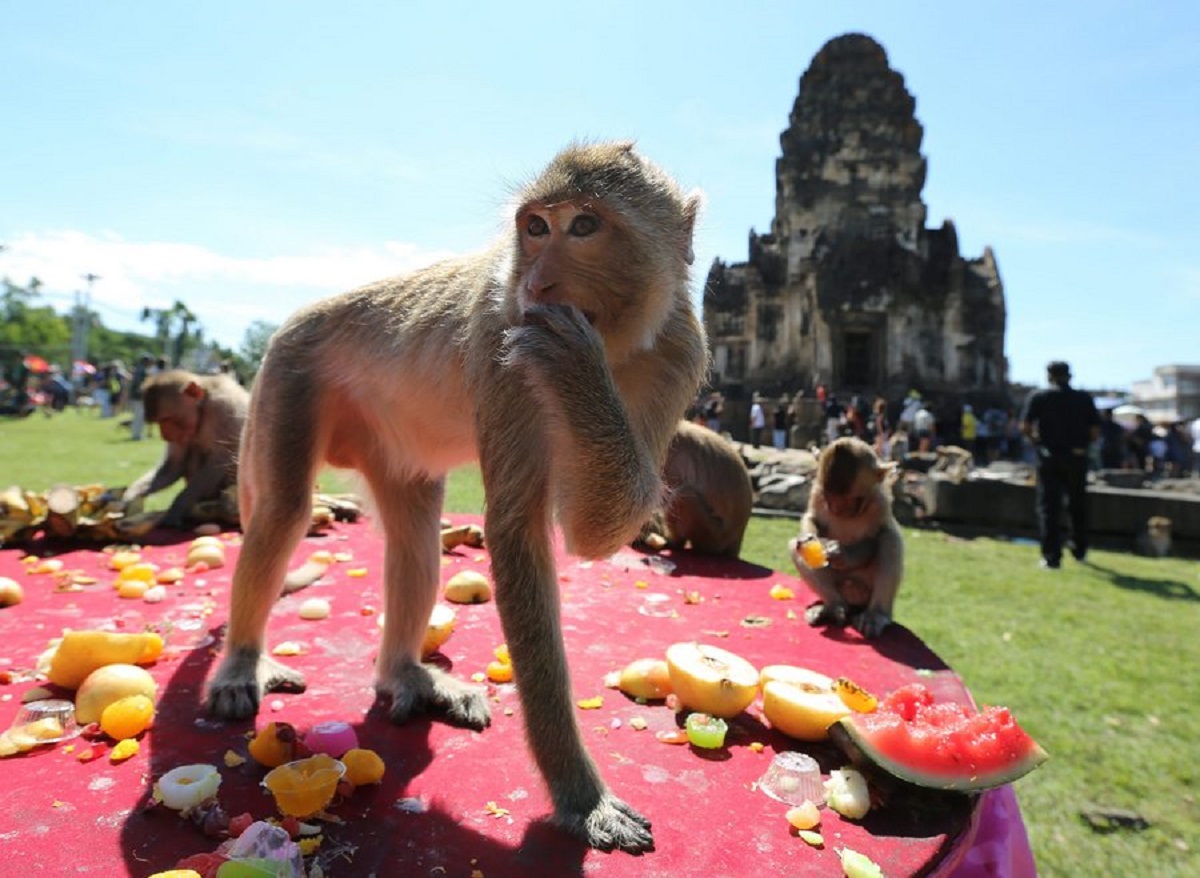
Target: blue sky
<point x="247" y="158"/>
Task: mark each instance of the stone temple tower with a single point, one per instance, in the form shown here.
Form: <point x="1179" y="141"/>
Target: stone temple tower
<point x="849" y="288"/>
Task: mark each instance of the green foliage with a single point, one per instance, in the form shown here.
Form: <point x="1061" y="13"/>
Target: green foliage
<point x="1096" y="661"/>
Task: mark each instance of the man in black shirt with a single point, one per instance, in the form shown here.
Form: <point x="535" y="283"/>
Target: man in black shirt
<point x="1062" y="422"/>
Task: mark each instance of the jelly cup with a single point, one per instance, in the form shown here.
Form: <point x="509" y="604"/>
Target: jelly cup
<point x="705" y="731"/>
<point x="333" y="738"/>
<point x="47" y="721"/>
<point x="793" y="778"/>
<point x="304" y="787"/>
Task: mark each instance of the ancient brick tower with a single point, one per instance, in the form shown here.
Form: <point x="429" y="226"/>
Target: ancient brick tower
<point x="850" y="289"/>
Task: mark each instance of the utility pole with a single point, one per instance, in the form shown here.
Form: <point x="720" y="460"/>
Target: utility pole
<point x="81" y="322"/>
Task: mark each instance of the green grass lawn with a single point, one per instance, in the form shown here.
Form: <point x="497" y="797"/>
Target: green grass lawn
<point x="1096" y="660"/>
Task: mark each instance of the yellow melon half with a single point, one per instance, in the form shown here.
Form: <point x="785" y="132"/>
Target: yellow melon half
<point x="800" y="703"/>
<point x="711" y="680"/>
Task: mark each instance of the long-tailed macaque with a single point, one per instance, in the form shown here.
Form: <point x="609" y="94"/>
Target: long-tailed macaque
<point x="562" y="358"/>
<point x="709" y="495"/>
<point x="200" y="418"/>
<point x="850" y="503"/>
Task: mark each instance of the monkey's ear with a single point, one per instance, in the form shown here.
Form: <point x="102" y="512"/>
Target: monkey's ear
<point x="693" y="203"/>
<point x="192" y="390"/>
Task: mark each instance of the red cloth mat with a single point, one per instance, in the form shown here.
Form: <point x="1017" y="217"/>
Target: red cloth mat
<point x="432" y="814"/>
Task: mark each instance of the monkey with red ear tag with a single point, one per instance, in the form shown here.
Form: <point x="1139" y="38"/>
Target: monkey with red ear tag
<point x="850" y="511"/>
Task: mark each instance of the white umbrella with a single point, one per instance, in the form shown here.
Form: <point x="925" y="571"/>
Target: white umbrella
<point x="1127" y="415"/>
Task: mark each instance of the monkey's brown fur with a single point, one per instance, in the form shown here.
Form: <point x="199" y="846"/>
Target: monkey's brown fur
<point x="200" y="417"/>
<point x="709" y="494"/>
<point x="562" y="357"/>
<point x="850" y="502"/>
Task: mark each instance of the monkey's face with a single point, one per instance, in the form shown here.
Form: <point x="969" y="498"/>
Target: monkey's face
<point x="178" y="418"/>
<point x="849" y="476"/>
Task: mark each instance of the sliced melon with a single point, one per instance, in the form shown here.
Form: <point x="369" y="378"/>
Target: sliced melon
<point x="708" y="679"/>
<point x="938" y="745"/>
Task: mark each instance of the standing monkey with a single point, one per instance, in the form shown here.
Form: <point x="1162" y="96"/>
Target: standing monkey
<point x="574" y="345"/>
<point x="851" y="504"/>
<point x="709" y="495"/>
<point x="200" y="417"/>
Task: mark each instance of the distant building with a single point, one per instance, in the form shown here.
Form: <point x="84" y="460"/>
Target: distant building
<point x="849" y="289"/>
<point x="1173" y="394"/>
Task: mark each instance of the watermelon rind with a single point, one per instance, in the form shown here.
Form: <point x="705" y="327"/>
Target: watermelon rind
<point x="855" y="742"/>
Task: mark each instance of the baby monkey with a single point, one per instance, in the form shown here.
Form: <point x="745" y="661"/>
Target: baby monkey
<point x="850" y="505"/>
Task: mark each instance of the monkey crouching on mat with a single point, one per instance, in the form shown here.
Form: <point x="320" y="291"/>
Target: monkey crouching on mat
<point x="562" y="358"/>
<point x="200" y="417"/>
<point x="709" y="495"/>
<point x="850" y="503"/>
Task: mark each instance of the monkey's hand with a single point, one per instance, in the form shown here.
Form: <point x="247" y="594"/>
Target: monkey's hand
<point x="557" y="349"/>
<point x="610" y="825"/>
<point x="871" y="622"/>
<point x="244" y="677"/>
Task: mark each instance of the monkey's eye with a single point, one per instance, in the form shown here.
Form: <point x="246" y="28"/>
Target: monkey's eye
<point x="585" y="224"/>
<point x="536" y="226"/>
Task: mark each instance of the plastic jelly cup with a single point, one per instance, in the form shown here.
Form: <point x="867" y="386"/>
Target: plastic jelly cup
<point x="793" y="778"/>
<point x="705" y="731"/>
<point x="44" y="722"/>
<point x="333" y="738"/>
<point x="304" y="787"/>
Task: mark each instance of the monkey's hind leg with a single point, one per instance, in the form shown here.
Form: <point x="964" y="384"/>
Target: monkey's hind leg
<point x="409" y="511"/>
<point x="275" y="522"/>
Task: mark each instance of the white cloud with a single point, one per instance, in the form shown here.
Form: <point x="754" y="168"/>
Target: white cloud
<point x="226" y="292"/>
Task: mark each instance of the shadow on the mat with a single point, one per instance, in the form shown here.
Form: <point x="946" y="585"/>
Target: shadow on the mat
<point x="382" y="831"/>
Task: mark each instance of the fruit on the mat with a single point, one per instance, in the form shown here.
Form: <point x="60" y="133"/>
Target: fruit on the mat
<point x="468" y="587"/>
<point x="304" y="787"/>
<point x="11" y="592"/>
<point x="108" y="684"/>
<point x="274" y="744"/>
<point x="82" y="652"/>
<point x="127" y="717"/>
<point x="646" y="678"/>
<point x="846" y="792"/>
<point x="705" y="731"/>
<point x="711" y="680"/>
<point x="208" y="554"/>
<point x="855" y="696"/>
<point x="363" y="767"/>
<point x="938" y="744"/>
<point x="499" y="672"/>
<point x="441" y="626"/>
<point x="856" y="865"/>
<point x="185" y="787"/>
<point x="804" y="816"/>
<point x="800" y="702"/>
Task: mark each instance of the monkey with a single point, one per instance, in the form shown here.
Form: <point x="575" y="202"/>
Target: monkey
<point x="200" y="417"/>
<point x="709" y="495"/>
<point x="561" y="358"/>
<point x="1154" y="537"/>
<point x="851" y="504"/>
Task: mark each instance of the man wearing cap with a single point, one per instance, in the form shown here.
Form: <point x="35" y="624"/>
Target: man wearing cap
<point x="1062" y="422"/>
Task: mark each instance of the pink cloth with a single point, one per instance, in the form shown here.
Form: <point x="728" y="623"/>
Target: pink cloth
<point x="1001" y="846"/>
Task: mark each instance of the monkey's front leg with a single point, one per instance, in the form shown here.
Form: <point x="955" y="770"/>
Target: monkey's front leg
<point x="527" y="598"/>
<point x="885" y="574"/>
<point x="832" y="608"/>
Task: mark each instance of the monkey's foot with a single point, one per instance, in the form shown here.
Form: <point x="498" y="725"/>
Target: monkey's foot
<point x="822" y="613"/>
<point x="244" y="677"/>
<point x="870" y="623"/>
<point x="417" y="688"/>
<point x="610" y="825"/>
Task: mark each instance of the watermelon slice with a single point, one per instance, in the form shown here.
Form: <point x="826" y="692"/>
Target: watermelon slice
<point x="939" y="745"/>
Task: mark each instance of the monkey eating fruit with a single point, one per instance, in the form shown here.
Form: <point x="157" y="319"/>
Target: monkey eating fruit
<point x="200" y="417"/>
<point x="858" y="574"/>
<point x="709" y="495"/>
<point x="562" y="358"/>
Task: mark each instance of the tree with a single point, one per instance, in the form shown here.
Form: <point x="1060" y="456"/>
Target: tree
<point x="176" y="321"/>
<point x="254" y="346"/>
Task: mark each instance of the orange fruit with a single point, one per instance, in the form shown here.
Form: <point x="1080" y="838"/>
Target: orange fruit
<point x="127" y="717"/>
<point x="363" y="766"/>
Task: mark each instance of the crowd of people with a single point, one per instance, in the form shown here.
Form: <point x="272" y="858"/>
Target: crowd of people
<point x="30" y="383"/>
<point x="913" y="423"/>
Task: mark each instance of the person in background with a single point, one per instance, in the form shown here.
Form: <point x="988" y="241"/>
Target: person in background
<point x="782" y="409"/>
<point x="714" y="407"/>
<point x="1113" y="450"/>
<point x="140" y="373"/>
<point x="758" y="420"/>
<point x="968" y="430"/>
<point x="1062" y="422"/>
